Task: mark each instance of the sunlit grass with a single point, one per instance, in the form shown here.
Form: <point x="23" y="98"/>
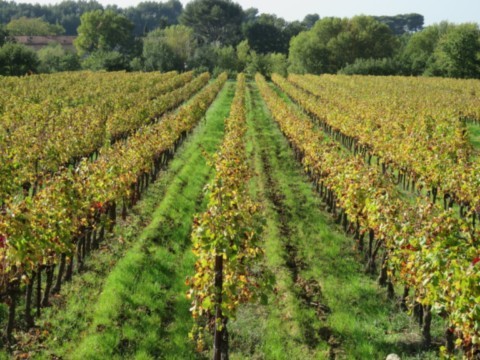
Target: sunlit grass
<point x="474" y="135"/>
<point x="363" y="322"/>
<point x="138" y="308"/>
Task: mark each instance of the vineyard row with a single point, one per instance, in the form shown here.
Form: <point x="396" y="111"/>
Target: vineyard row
<point x="427" y="249"/>
<point x="69" y="216"/>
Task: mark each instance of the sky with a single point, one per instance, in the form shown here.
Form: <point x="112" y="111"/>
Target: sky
<point x="434" y="11"/>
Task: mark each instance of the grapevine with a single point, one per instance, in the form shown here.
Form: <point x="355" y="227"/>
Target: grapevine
<point x="426" y="248"/>
<point x="69" y="215"/>
<point x="226" y="237"/>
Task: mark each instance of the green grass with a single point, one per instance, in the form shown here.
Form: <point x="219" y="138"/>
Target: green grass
<point x="130" y="303"/>
<point x="140" y="310"/>
<point x="344" y="151"/>
<point x="474" y="134"/>
<point x="362" y="323"/>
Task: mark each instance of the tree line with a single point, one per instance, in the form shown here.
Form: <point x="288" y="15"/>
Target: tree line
<point x="218" y="35"/>
<point x="145" y="16"/>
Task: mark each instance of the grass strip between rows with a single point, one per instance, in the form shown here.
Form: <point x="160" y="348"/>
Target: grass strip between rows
<point x="142" y="311"/>
<point x="135" y="315"/>
<point x="358" y="321"/>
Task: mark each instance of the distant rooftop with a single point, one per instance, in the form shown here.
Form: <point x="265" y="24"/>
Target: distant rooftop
<point x="37" y="42"/>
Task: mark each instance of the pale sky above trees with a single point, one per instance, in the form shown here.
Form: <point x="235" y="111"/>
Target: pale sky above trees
<point x="434" y="11"/>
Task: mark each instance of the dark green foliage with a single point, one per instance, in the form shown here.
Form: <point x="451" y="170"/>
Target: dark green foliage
<point x="33" y="27"/>
<point x="243" y="55"/>
<point x="106" y="60"/>
<point x="226" y="59"/>
<point x="17" y="60"/>
<point x="150" y="15"/>
<point x="11" y="10"/>
<point x="104" y="31"/>
<point x="292" y="29"/>
<point x="204" y="58"/>
<point x="3" y="35"/>
<point x="70" y="62"/>
<point x="333" y="42"/>
<point x="146" y="16"/>
<point x="362" y="37"/>
<point x="385" y="66"/>
<point x="242" y="58"/>
<point x="267" y="64"/>
<point x="457" y="53"/>
<point x="309" y="20"/>
<point x="137" y="64"/>
<point x="265" y="38"/>
<point x="404" y="23"/>
<point x="250" y="15"/>
<point x="270" y="34"/>
<point x="53" y="58"/>
<point x="420" y="47"/>
<point x="158" y="56"/>
<point x="167" y="49"/>
<point x="68" y="13"/>
<point x="307" y="55"/>
<point x="444" y="49"/>
<point x="214" y="21"/>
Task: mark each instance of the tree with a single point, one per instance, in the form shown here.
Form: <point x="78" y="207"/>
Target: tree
<point x="204" y="58"/>
<point x="106" y="60"/>
<point x="270" y="34"/>
<point x="250" y="15"/>
<point x="414" y="22"/>
<point x="181" y="40"/>
<point x="11" y="10"/>
<point x="363" y="37"/>
<point x="226" y="59"/>
<point x="33" y="27"/>
<point x="68" y="12"/>
<point x="378" y="67"/>
<point x="214" y="21"/>
<point x="309" y="52"/>
<point x="457" y="53"/>
<point x="3" y="35"/>
<point x="278" y="64"/>
<point x="146" y="16"/>
<point x="53" y="58"/>
<point x="168" y="49"/>
<point x="150" y="15"/>
<point x="104" y="31"/>
<point x="158" y="55"/>
<point x="243" y="55"/>
<point x="420" y="47"/>
<point x="265" y="37"/>
<point x="401" y="24"/>
<point x="17" y="60"/>
<point x="292" y="29"/>
<point x="332" y="43"/>
<point x="308" y="55"/>
<point x="309" y="20"/>
<point x="267" y="64"/>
